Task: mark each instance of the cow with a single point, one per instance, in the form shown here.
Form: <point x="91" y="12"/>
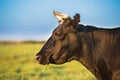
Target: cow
<point x="98" y="49"/>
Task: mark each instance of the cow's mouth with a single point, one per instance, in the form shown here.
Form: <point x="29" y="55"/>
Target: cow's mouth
<point x="45" y="61"/>
<point x="51" y="60"/>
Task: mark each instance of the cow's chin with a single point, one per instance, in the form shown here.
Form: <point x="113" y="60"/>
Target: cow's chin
<point x="51" y="60"/>
<point x="43" y="62"/>
<point x="56" y="61"/>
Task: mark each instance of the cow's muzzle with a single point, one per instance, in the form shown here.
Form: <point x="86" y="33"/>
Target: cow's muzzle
<point x="37" y="58"/>
<point x="45" y="60"/>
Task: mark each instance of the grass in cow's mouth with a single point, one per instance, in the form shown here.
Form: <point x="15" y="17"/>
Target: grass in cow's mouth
<point x="17" y="62"/>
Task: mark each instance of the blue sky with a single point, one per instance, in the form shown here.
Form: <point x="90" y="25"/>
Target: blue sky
<point x="34" y="20"/>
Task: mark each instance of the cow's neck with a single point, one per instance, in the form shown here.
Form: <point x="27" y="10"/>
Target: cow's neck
<point x="87" y="58"/>
<point x="88" y="43"/>
<point x="97" y="39"/>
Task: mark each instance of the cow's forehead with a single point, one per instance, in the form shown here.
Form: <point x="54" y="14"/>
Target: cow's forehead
<point x="59" y="28"/>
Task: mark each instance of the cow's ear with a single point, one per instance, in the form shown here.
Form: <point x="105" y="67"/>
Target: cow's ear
<point x="76" y="20"/>
<point x="60" y="16"/>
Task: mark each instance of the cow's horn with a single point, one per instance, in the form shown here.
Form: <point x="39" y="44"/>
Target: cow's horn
<point x="60" y="16"/>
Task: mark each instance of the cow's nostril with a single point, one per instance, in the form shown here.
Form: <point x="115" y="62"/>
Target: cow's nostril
<point x="37" y="58"/>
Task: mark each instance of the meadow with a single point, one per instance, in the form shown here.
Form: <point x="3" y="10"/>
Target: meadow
<point x="17" y="62"/>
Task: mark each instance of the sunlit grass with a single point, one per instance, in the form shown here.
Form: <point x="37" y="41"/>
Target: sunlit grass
<point x="17" y="63"/>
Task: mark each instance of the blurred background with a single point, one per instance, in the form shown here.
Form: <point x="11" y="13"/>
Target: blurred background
<point x="34" y="20"/>
<point x="25" y="25"/>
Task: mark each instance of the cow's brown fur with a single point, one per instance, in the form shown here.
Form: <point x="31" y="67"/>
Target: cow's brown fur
<point x="98" y="49"/>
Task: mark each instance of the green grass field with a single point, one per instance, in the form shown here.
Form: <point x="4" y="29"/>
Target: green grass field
<point x="17" y="62"/>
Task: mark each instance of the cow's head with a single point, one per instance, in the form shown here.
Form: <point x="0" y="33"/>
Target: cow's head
<point x="64" y="43"/>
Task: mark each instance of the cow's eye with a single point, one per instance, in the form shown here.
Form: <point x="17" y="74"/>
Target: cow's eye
<point x="59" y="36"/>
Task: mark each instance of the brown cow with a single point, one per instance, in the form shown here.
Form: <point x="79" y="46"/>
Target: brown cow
<point x="98" y="49"/>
